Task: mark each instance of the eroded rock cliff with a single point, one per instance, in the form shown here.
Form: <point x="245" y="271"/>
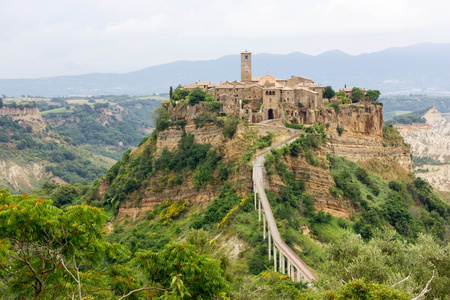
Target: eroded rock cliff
<point x="353" y="131"/>
<point x="356" y="133"/>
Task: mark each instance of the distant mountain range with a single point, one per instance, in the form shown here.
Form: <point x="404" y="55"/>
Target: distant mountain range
<point x="421" y="68"/>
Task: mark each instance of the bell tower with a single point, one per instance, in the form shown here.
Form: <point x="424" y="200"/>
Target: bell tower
<point x="246" y="66"/>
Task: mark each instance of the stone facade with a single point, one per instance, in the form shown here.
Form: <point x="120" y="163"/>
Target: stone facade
<point x="266" y="97"/>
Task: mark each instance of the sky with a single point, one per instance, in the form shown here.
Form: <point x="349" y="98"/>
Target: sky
<point x="44" y="38"/>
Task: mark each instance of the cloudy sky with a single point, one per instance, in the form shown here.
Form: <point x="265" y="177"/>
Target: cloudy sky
<point x="66" y="37"/>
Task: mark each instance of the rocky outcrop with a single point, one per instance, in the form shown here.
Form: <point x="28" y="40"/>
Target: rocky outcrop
<point x="19" y="112"/>
<point x="355" y="132"/>
<point x="232" y="150"/>
<point x="208" y="134"/>
<point x="431" y="139"/>
<point x="21" y="177"/>
<point x="437" y="175"/>
<point x="317" y="183"/>
<point x="26" y="116"/>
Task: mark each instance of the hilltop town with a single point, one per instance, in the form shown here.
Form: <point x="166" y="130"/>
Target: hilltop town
<point x="265" y="98"/>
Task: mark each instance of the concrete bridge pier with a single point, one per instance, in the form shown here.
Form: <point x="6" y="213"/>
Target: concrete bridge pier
<point x="256" y="195"/>
<point x="274" y="258"/>
<point x="259" y="211"/>
<point x="264" y="226"/>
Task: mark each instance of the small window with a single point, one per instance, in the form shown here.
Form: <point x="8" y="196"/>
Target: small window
<point x="246" y="58"/>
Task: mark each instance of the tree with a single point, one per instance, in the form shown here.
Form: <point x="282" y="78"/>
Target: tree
<point x="1" y="103"/>
<point x="180" y="93"/>
<point x="64" y="194"/>
<point x="328" y="92"/>
<point x="341" y="94"/>
<point x="161" y="118"/>
<point x="360" y="289"/>
<point x="200" y="275"/>
<point x="42" y="248"/>
<point x="357" y="95"/>
<point x="170" y="92"/>
<point x="196" y="95"/>
<point x="208" y="97"/>
<point x="373" y="95"/>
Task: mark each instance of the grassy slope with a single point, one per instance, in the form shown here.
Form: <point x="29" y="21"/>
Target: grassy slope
<point x="232" y="223"/>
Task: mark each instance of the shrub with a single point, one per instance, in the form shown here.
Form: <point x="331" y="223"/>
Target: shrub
<point x="335" y="105"/>
<point x="293" y="126"/>
<point x="196" y="96"/>
<point x="217" y="210"/>
<point x="230" y="126"/>
<point x="212" y="105"/>
<point x="363" y="176"/>
<point x="173" y="210"/>
<point x="321" y="218"/>
<point x="265" y="140"/>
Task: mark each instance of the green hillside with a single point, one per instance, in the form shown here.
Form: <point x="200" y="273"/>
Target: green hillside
<point x="24" y="150"/>
<point x="182" y="250"/>
<point x="106" y="125"/>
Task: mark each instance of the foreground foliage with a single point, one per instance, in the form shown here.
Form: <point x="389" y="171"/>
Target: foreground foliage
<point x="50" y="253"/>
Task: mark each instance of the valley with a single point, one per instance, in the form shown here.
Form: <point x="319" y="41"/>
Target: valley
<point x="67" y="140"/>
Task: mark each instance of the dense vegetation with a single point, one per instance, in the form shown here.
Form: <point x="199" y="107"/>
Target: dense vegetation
<point x="414" y="117"/>
<point x="106" y="125"/>
<point x="189" y="159"/>
<point x="51" y="253"/>
<point x="410" y="208"/>
<point x="179" y="249"/>
<point x="62" y="160"/>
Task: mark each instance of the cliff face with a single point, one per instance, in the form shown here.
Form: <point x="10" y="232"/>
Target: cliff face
<point x="317" y="183"/>
<point x="431" y="139"/>
<point x="19" y="176"/>
<point x="232" y="150"/>
<point x="17" y="112"/>
<point x="26" y="116"/>
<point x="356" y="133"/>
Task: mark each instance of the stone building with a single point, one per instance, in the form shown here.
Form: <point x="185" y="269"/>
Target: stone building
<point x="266" y="97"/>
<point x="348" y="92"/>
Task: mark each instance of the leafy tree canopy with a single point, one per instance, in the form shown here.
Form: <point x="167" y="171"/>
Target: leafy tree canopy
<point x="357" y="95"/>
<point x="328" y="92"/>
<point x="373" y="95"/>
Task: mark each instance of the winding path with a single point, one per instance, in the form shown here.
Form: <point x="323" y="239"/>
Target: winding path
<point x="285" y="260"/>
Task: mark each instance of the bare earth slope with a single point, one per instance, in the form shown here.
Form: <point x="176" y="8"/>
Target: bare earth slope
<point x="431" y="139"/>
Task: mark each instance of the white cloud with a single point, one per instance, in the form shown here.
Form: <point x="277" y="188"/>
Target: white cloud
<point x="53" y="37"/>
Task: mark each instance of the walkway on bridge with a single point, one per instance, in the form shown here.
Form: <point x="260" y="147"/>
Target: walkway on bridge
<point x="285" y="260"/>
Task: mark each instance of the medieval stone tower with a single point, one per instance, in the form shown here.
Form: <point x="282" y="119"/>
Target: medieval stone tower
<point x="246" y="66"/>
